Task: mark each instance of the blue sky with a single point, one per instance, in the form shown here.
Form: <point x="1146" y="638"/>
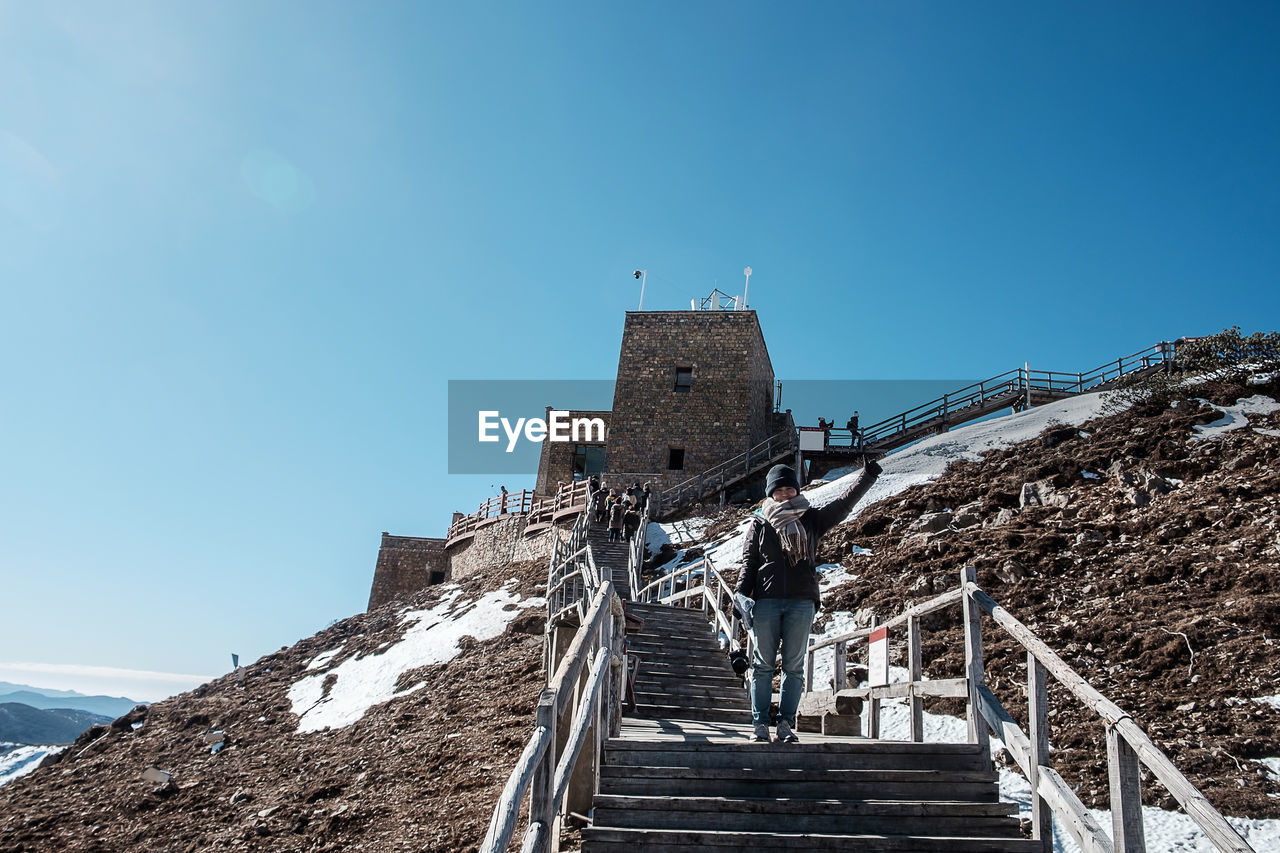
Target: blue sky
<point x="244" y="246"/>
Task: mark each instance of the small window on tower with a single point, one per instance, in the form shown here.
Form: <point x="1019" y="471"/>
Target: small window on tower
<point x="684" y="379"/>
<point x="675" y="459"/>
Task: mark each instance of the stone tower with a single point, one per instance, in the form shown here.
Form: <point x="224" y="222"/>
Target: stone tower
<point x="693" y="389"/>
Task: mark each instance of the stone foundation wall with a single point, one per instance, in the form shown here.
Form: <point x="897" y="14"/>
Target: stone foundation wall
<point x="405" y="565"/>
<point x="495" y="545"/>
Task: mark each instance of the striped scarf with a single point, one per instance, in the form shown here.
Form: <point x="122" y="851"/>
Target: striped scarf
<point x="785" y="519"/>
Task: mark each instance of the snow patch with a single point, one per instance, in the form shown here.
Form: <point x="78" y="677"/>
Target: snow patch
<point x="832" y="575"/>
<point x="324" y="657"/>
<point x="17" y="760"/>
<point x="431" y="637"/>
<point x="1235" y="417"/>
<point x="1273" y="701"/>
<point x="926" y="460"/>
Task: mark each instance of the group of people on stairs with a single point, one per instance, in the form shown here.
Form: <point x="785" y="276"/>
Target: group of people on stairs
<point x="620" y="510"/>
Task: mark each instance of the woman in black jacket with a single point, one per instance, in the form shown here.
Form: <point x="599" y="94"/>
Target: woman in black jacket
<point x="780" y="580"/>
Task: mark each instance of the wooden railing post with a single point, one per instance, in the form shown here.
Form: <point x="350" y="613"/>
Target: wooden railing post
<point x="973" y="668"/>
<point x="873" y="704"/>
<point x="838" y="680"/>
<point x="914" y="670"/>
<point x="1038" y="738"/>
<point x="808" y="667"/>
<point x="1124" y="775"/>
<point x="542" y="807"/>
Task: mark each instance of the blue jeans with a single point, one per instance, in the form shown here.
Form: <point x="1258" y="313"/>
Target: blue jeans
<point x="786" y="621"/>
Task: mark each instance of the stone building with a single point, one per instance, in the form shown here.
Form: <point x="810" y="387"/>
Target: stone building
<point x="406" y="564"/>
<point x="693" y="389"/>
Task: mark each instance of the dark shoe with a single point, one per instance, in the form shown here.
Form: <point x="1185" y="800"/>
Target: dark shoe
<point x="785" y="735"/>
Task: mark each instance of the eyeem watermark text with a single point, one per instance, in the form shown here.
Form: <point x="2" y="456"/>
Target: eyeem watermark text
<point x="558" y="426"/>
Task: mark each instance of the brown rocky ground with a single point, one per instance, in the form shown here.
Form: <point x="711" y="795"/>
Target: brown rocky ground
<point x="421" y="772"/>
<point x="1164" y="596"/>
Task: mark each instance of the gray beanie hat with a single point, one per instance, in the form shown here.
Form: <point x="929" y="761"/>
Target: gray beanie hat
<point x="781" y="475"/>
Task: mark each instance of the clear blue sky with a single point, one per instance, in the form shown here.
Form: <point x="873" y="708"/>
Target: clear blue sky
<point x="243" y="246"/>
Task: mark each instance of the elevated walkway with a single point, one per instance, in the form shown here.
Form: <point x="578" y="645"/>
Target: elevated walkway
<point x="1015" y="389"/>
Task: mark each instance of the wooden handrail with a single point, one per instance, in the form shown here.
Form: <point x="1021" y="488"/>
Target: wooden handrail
<point x="1009" y="385"/>
<point x="947" y="598"/>
<point x="1128" y="746"/>
<point x="1196" y="805"/>
<point x="714" y="478"/>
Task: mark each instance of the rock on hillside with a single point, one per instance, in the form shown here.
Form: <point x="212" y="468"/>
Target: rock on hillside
<point x="421" y="771"/>
<point x="1143" y="548"/>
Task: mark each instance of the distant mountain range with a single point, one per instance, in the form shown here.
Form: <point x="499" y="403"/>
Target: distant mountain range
<point x="20" y="723"/>
<point x="42" y="698"/>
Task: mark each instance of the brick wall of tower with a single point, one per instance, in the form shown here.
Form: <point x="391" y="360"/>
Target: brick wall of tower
<point x="405" y="565"/>
<point x="728" y="408"/>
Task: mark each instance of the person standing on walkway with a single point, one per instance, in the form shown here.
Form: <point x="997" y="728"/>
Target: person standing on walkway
<point x="616" y="512"/>
<point x="778" y="587"/>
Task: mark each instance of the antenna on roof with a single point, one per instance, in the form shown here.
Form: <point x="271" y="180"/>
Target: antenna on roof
<point x="747" y="286"/>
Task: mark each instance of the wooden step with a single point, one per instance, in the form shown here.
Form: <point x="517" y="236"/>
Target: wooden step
<point x="806" y="784"/>
<point x="814" y="755"/>
<point x="705" y="649"/>
<point x="854" y="817"/>
<point x="682" y="712"/>
<point x="659" y="663"/>
<point x="694" y="689"/>
<point x="655" y="840"/>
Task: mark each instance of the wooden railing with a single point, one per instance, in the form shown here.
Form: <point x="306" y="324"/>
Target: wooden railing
<point x="700" y="584"/>
<point x="539" y="509"/>
<point x="1008" y="387"/>
<point x="636" y="549"/>
<point x="587" y="682"/>
<point x="572" y="576"/>
<point x="1128" y="746"/>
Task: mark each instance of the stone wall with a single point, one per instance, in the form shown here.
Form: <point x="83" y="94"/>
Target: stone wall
<point x="728" y="408"/>
<point x="555" y="463"/>
<point x="405" y="565"/>
<point x="495" y="545"/>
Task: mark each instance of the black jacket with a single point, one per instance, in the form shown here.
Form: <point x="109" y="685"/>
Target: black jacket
<point x="766" y="572"/>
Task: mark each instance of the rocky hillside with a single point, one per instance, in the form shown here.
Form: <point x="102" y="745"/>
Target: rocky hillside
<point x="1140" y="546"/>
<point x="1142" y="552"/>
<point x="421" y="771"/>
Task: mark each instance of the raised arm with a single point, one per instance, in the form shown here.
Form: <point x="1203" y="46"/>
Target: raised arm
<point x="827" y="517"/>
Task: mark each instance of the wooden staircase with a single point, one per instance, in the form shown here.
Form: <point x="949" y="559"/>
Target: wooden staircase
<point x="610" y="558"/>
<point x="683" y="774"/>
<point x="683" y="672"/>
